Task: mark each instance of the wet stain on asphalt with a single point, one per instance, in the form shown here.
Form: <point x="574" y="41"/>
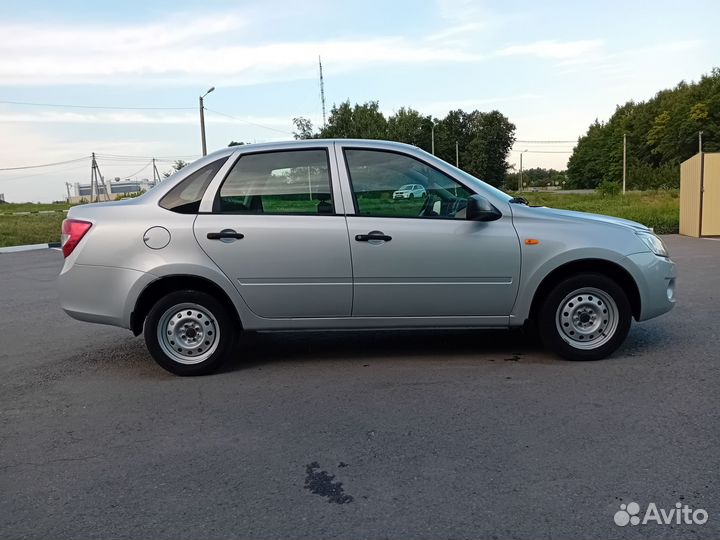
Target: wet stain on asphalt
<point x="321" y="483"/>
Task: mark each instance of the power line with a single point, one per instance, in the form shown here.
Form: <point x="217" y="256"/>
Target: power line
<point x="43" y="165"/>
<point x="138" y="159"/>
<point x="542" y="151"/>
<point x="128" y="177"/>
<point x="543" y="142"/>
<point x="248" y="122"/>
<point x="189" y="156"/>
<point x="108" y="157"/>
<point x="63" y="170"/>
<point x="110" y="107"/>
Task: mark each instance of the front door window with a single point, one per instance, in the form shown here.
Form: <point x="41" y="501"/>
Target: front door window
<point x="387" y="184"/>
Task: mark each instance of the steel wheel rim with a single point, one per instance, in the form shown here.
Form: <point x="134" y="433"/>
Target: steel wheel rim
<point x="188" y="333"/>
<point x="587" y="318"/>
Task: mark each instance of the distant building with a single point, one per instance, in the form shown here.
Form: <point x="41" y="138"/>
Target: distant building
<point x="2" y="198"/>
<point x="117" y="188"/>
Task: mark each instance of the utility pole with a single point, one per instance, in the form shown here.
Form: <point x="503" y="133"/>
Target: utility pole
<point x="624" y="161"/>
<point x="322" y="92"/>
<point x="520" y="180"/>
<point x="67" y="186"/>
<point x="432" y="136"/>
<point x="457" y="155"/>
<point x="95" y="179"/>
<point x="700" y="142"/>
<point x="202" y="121"/>
<point x="92" y="177"/>
<point x="156" y="174"/>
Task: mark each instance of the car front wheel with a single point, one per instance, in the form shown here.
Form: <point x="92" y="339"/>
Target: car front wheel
<point x="189" y="332"/>
<point x="585" y="317"/>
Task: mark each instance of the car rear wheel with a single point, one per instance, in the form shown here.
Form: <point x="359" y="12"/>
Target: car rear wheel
<point x="189" y="332"/>
<point x="585" y="317"/>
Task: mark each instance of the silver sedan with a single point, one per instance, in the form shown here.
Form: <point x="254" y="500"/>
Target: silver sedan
<point x="309" y="235"/>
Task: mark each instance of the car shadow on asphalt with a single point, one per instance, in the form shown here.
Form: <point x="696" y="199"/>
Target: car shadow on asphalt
<point x="258" y="348"/>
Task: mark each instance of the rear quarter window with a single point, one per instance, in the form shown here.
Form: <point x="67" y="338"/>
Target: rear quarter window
<point x="186" y="196"/>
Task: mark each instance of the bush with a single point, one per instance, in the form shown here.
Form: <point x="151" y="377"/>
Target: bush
<point x="609" y="189"/>
<point x="132" y="195"/>
<point x="642" y="176"/>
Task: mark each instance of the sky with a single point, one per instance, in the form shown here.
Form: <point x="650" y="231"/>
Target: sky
<point x="552" y="67"/>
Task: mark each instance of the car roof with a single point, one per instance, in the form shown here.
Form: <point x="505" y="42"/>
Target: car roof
<point x="277" y="145"/>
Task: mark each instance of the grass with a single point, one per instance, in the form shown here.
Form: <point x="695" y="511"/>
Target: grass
<point x="31" y="207"/>
<point x="656" y="209"/>
<point x="32" y="229"/>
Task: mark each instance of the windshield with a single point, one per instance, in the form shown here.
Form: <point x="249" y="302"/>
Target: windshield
<point x="470" y="179"/>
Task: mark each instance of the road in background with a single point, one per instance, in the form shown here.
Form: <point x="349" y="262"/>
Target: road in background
<point x="432" y="434"/>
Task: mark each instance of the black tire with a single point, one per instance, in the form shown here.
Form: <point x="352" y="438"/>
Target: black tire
<point x="411" y="196"/>
<point x="551" y="319"/>
<point x="216" y="317"/>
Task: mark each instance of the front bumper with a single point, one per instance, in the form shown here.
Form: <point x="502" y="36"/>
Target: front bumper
<point x="101" y="294"/>
<point x="655" y="277"/>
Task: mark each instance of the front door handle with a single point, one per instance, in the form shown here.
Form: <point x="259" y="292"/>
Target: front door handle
<point x="225" y="234"/>
<point x="373" y="235"/>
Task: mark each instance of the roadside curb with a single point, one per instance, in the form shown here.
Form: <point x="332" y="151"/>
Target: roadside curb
<point x="29" y="247"/>
<point x="33" y="212"/>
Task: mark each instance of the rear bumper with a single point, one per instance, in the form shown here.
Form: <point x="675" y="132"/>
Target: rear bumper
<point x="101" y="294"/>
<point x="655" y="277"/>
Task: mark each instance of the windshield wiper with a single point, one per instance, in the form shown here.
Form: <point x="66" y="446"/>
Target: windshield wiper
<point x="519" y="200"/>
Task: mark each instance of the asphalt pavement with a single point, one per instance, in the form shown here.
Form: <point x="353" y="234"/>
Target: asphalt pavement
<point x="441" y="434"/>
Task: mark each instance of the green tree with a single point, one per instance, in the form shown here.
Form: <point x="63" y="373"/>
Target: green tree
<point x="304" y="128"/>
<point x="661" y="133"/>
<point x="492" y="137"/>
<point x="364" y="121"/>
<point x="483" y="138"/>
<point x="176" y="166"/>
<point x="410" y="127"/>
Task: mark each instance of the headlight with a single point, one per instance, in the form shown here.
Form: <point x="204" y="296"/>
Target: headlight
<point x="653" y="243"/>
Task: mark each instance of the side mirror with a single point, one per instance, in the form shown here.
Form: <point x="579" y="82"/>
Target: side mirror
<point x="479" y="209"/>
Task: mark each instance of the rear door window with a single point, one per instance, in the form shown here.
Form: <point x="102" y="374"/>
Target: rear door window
<point x="287" y="182"/>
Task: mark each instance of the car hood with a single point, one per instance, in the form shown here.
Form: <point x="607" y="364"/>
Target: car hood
<point x="585" y="216"/>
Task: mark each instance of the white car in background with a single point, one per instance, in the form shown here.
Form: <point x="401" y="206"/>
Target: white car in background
<point x="410" y="191"/>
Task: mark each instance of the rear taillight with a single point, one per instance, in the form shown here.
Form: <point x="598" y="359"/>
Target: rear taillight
<point x="72" y="232"/>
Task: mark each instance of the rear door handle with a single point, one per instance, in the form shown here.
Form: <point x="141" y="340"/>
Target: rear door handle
<point x="225" y="234"/>
<point x="373" y="235"/>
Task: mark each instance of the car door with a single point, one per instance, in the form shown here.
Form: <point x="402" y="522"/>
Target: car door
<point x="277" y="230"/>
<point x="420" y="257"/>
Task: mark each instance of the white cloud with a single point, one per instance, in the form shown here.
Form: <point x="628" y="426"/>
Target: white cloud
<point x="136" y="117"/>
<point x="441" y="108"/>
<point x="554" y="49"/>
<point x="456" y="31"/>
<point x="208" y="48"/>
